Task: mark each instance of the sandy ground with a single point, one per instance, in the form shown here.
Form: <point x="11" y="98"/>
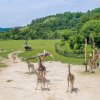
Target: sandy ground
<point x="17" y="84"/>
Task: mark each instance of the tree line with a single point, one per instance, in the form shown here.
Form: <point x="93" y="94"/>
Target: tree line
<point x="68" y="26"/>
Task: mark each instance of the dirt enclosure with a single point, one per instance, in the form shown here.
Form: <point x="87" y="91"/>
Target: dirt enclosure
<point x="17" y="84"/>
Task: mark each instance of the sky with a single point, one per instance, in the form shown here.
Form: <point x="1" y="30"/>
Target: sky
<point x="21" y="12"/>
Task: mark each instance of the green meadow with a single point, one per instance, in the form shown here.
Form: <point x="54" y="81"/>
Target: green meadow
<point x="37" y="47"/>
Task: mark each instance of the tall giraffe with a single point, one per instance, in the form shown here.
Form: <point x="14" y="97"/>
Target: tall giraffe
<point x="96" y="55"/>
<point x="41" y="56"/>
<point x="70" y="79"/>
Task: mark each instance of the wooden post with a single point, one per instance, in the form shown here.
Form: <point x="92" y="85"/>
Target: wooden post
<point x="93" y="46"/>
<point x="86" y="54"/>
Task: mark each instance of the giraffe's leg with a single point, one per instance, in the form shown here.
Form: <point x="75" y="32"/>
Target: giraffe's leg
<point x="41" y="85"/>
<point x="44" y="74"/>
<point x="72" y="85"/>
<point x="89" y="67"/>
<point x="32" y="69"/>
<point x="29" y="69"/>
<point x="95" y="64"/>
<point x="92" y="67"/>
<point x="47" y="84"/>
<point x="37" y="84"/>
<point x="68" y="86"/>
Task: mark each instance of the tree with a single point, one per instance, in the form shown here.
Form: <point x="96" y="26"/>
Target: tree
<point x="24" y="33"/>
<point x="92" y="27"/>
<point x="72" y="41"/>
<point x="96" y="10"/>
<point x="66" y="34"/>
<point x="14" y="33"/>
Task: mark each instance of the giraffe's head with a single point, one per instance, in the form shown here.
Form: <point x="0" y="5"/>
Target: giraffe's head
<point x="69" y="66"/>
<point x="90" y="55"/>
<point x="47" y="53"/>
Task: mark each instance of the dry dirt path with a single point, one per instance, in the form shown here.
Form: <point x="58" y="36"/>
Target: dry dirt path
<point x="16" y="84"/>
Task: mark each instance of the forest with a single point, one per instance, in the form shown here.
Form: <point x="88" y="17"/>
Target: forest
<point x="68" y="26"/>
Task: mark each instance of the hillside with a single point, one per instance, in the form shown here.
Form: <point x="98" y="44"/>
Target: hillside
<point x="54" y="26"/>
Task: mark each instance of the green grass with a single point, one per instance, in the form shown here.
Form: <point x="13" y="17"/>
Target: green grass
<point x="37" y="47"/>
<point x="4" y="54"/>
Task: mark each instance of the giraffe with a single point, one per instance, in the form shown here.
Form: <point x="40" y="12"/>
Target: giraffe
<point x="93" y="58"/>
<point x="30" y="66"/>
<point x="91" y="63"/>
<point x="13" y="56"/>
<point x="70" y="79"/>
<point x="41" y="56"/>
<point x="96" y="55"/>
<point x="41" y="69"/>
<point x="41" y="79"/>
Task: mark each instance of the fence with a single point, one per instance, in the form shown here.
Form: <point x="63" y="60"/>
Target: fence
<point x="68" y="54"/>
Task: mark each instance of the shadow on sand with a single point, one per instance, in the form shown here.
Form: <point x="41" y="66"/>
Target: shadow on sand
<point x="75" y="90"/>
<point x="44" y="89"/>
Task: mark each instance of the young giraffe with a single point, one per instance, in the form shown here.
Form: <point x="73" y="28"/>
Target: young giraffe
<point x="40" y="79"/>
<point x="91" y="63"/>
<point x="41" y="69"/>
<point x="30" y="66"/>
<point x="70" y="79"/>
<point x="13" y="57"/>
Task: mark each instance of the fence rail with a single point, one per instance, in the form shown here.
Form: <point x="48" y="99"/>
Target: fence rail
<point x="68" y="54"/>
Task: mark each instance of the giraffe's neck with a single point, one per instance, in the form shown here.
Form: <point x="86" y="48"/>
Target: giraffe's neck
<point x="69" y="70"/>
<point x="36" y="72"/>
<point x="28" y="62"/>
<point x="40" y="62"/>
